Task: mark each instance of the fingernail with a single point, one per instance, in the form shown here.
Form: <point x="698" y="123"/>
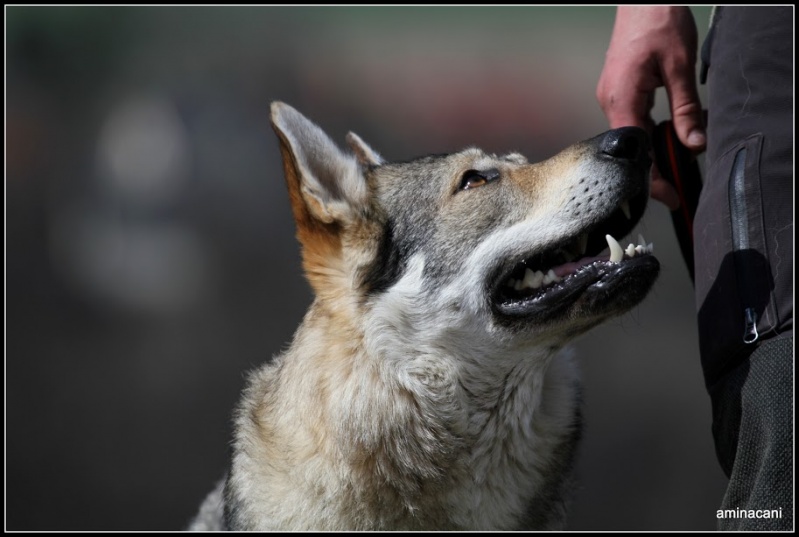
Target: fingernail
<point x="696" y="138"/>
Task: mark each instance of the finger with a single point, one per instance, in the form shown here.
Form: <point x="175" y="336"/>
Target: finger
<point x="627" y="100"/>
<point x="687" y="117"/>
<point x="686" y="109"/>
<point x="626" y="108"/>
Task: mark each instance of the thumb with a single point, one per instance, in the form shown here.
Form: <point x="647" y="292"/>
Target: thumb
<point x="686" y="111"/>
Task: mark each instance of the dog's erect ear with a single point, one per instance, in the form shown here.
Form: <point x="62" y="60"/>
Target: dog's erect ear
<point x="365" y="154"/>
<point x="327" y="190"/>
<point x="329" y="183"/>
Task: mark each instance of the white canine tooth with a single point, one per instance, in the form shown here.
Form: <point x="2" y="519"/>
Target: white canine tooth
<point x="641" y="241"/>
<point x="650" y="248"/>
<point x="630" y="251"/>
<point x="640" y="249"/>
<point x="583" y="245"/>
<point x="539" y="278"/>
<point x="625" y="208"/>
<point x="616" y="253"/>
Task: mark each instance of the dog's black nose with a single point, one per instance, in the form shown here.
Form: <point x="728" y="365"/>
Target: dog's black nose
<point x="629" y="143"/>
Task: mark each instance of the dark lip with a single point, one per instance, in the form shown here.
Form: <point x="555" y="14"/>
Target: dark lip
<point x="599" y="288"/>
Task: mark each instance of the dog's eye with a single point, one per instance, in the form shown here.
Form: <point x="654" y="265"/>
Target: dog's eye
<point x="474" y="178"/>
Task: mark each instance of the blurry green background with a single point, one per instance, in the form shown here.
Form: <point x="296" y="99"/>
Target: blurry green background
<point x="151" y="257"/>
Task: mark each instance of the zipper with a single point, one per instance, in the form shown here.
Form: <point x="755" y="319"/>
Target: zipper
<point x="740" y="242"/>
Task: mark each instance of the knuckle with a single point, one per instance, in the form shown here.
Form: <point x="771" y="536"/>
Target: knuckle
<point x="689" y="108"/>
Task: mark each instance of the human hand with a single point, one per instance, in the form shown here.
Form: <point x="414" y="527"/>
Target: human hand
<point x="653" y="46"/>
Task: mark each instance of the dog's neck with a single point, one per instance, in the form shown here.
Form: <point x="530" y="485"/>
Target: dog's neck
<point x="406" y="422"/>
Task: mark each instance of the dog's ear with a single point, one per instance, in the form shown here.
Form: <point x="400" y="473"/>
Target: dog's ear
<point x="323" y="181"/>
<point x="327" y="190"/>
<point x="366" y="155"/>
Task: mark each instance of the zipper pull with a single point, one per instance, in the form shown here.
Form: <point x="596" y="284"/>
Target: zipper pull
<point x="750" y="331"/>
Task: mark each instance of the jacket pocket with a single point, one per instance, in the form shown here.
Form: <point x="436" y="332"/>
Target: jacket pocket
<point x="735" y="287"/>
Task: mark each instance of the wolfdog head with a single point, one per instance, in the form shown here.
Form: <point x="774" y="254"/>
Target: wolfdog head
<point x="477" y="247"/>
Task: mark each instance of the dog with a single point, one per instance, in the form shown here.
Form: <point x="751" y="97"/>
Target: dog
<point x="430" y="386"/>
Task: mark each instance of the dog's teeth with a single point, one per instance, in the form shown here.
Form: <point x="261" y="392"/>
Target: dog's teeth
<point x="529" y="278"/>
<point x="551" y="277"/>
<point x="625" y="208"/>
<point x="533" y="280"/>
<point x="630" y="251"/>
<point x="643" y="247"/>
<point x="583" y="243"/>
<point x="616" y="253"/>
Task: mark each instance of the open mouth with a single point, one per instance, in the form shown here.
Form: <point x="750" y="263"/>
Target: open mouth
<point x="590" y="268"/>
<point x="528" y="277"/>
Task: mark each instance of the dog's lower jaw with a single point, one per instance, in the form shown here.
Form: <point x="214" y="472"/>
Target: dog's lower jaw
<point x="410" y="449"/>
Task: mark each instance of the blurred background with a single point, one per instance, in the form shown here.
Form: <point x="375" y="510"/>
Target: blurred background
<point x="151" y="259"/>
